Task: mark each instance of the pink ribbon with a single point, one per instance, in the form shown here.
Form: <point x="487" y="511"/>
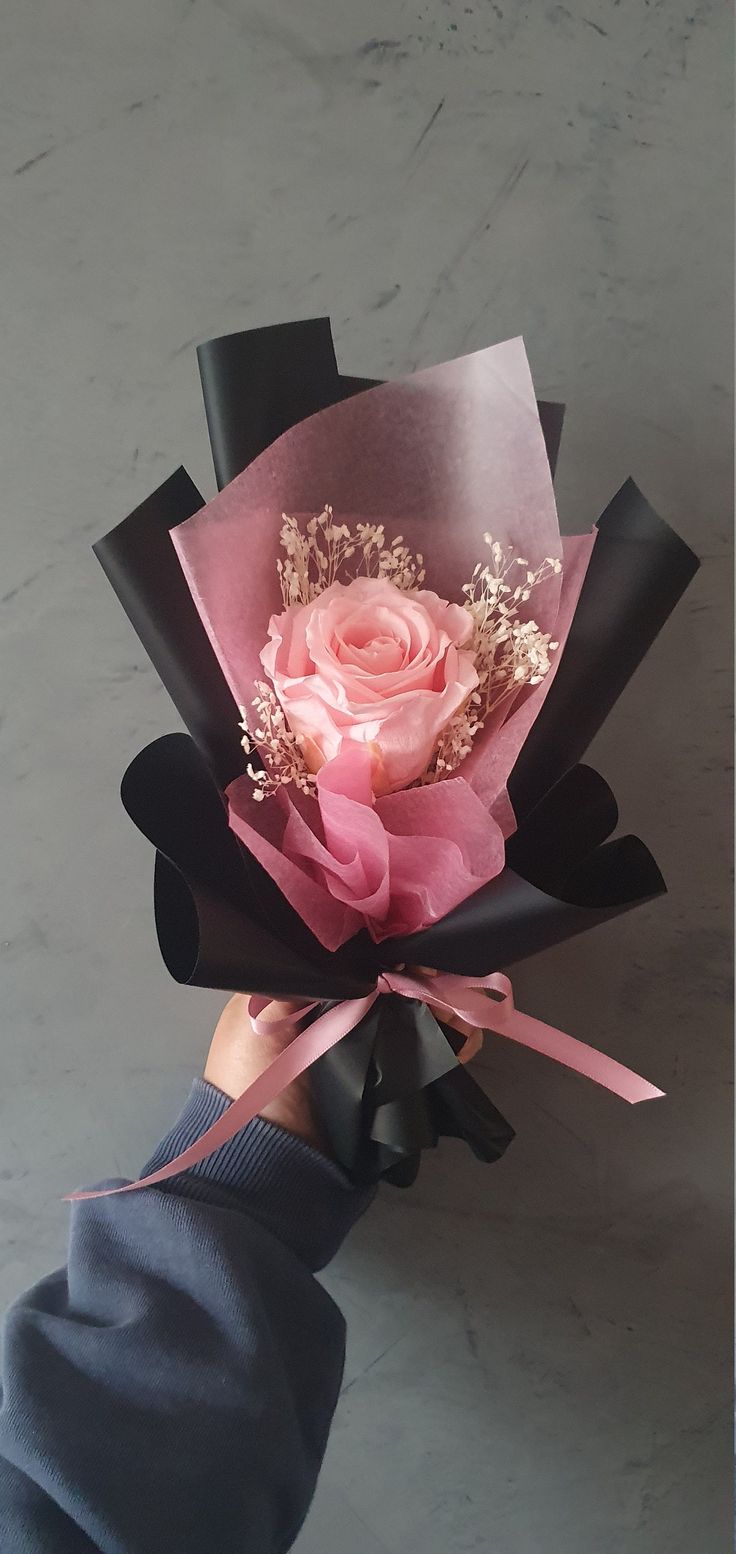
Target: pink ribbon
<point x="466" y="997"/>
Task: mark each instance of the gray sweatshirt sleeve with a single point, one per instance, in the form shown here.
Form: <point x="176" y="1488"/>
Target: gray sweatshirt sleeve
<point x="171" y="1390"/>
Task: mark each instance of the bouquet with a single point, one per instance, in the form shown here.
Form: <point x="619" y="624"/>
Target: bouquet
<point x="390" y="664"/>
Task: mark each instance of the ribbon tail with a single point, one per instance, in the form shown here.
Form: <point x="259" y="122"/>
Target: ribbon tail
<point x="578" y="1056"/>
<point x="301" y="1053"/>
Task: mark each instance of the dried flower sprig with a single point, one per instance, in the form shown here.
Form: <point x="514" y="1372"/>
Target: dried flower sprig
<point x="316" y="558"/>
<point x="279" y="749"/>
<point x="509" y="652"/>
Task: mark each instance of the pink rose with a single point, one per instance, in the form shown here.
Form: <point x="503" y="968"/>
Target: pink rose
<point x="369" y="663"/>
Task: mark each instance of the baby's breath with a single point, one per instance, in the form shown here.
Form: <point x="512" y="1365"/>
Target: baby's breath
<point x="326" y="552"/>
<point x="509" y="653"/>
<point x="279" y="749"/>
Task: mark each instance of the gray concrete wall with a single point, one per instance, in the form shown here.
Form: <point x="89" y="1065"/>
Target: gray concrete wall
<point x="546" y="1337"/>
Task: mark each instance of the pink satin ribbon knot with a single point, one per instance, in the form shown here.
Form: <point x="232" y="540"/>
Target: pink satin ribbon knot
<point x="466" y="997"/>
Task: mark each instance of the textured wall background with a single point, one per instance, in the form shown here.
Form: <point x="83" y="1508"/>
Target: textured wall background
<point x="536" y="1350"/>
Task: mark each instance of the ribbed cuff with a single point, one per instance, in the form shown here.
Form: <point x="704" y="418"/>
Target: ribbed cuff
<point x="300" y="1196"/>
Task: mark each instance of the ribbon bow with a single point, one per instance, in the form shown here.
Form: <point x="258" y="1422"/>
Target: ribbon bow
<point x="466" y="997"/>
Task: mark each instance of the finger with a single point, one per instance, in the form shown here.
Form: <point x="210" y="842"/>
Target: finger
<point x="473" y="1045"/>
<point x="472" y="1033"/>
<point x="473" y="1039"/>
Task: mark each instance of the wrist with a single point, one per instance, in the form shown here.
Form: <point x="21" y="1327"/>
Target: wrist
<point x="237" y="1057"/>
<point x="271" y="1175"/>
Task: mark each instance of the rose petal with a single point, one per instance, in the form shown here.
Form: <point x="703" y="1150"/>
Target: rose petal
<point x="368" y="663"/>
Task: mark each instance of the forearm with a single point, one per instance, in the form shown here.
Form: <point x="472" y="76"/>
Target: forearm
<point x="172" y="1389"/>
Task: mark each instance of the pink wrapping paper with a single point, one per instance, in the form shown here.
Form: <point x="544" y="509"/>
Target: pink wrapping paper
<point x="441" y="458"/>
<point x="407" y="859"/>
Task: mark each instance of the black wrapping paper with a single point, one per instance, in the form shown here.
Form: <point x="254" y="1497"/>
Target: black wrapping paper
<point x="142" y="566"/>
<point x="393" y="1086"/>
<point x="638" y="571"/>
<point x="258" y="383"/>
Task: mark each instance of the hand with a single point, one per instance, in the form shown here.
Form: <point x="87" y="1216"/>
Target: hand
<point x="238" y="1055"/>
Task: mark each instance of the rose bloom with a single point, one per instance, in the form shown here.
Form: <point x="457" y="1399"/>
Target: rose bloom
<point x="375" y="664"/>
